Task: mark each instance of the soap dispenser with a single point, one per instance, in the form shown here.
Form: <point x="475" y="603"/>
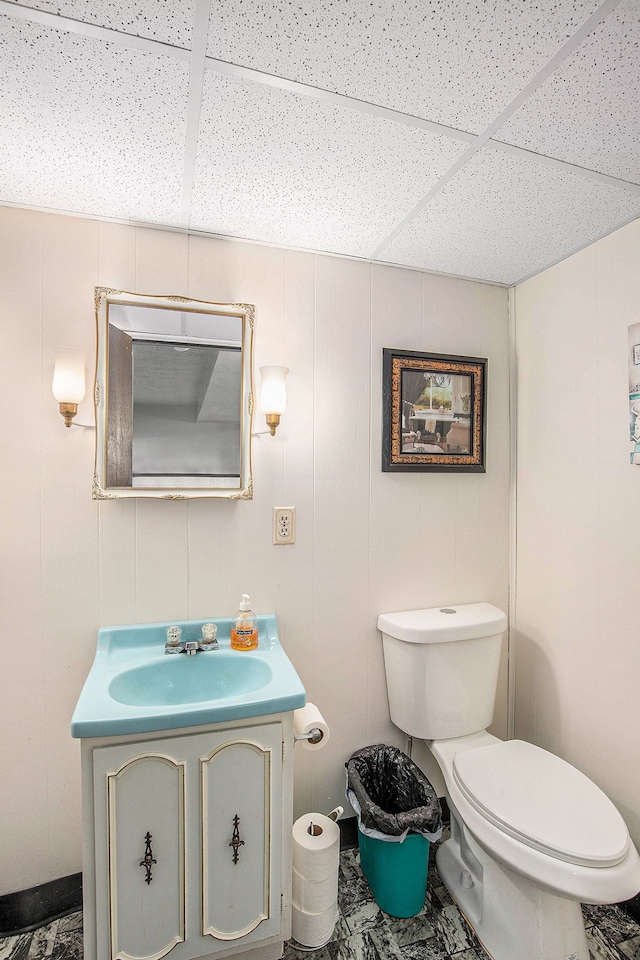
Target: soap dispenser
<point x="244" y="633"/>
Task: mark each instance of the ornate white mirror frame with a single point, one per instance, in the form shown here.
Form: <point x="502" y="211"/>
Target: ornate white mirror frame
<point x="160" y="432"/>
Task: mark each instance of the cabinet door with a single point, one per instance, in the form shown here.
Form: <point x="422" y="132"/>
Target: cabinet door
<point x="142" y="856"/>
<point x="170" y="873"/>
<point x="241" y="843"/>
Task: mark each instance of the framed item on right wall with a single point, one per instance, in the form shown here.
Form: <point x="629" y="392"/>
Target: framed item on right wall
<point x="433" y="416"/>
<point x="634" y="393"/>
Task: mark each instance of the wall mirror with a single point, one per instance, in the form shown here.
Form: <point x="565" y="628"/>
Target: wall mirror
<point x="173" y="397"/>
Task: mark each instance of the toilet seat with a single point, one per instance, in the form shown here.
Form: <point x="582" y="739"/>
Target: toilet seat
<point x="543" y="802"/>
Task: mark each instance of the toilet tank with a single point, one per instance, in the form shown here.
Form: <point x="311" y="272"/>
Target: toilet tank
<point x="442" y="668"/>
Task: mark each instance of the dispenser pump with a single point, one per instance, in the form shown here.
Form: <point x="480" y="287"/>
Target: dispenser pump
<point x="245" y="603"/>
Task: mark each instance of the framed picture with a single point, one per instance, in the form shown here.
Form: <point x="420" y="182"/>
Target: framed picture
<point x="433" y="412"/>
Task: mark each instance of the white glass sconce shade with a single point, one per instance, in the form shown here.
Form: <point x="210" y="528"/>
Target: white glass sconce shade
<point x="273" y="394"/>
<point x="68" y="382"/>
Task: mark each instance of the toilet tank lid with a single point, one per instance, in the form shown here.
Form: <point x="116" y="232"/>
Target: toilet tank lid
<point x="464" y="621"/>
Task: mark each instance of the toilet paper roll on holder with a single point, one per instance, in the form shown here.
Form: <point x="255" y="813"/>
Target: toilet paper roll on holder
<point x="309" y="725"/>
<point x="315" y="735"/>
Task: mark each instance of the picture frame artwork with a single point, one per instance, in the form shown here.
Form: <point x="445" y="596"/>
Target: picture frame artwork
<point x="433" y="412"/>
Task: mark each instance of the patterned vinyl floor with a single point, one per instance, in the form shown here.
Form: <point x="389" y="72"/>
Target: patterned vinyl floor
<point x="364" y="932"/>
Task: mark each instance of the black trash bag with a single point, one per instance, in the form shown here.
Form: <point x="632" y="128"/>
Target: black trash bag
<point x="391" y="795"/>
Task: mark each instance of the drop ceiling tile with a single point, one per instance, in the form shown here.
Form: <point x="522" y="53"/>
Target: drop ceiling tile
<point x="278" y="167"/>
<point x="504" y="217"/>
<point x="90" y="127"/>
<point x="587" y="111"/>
<point x="167" y="21"/>
<point x="454" y="63"/>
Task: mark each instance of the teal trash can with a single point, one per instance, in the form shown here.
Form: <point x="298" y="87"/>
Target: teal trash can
<point x="398" y="815"/>
<point x="396" y="872"/>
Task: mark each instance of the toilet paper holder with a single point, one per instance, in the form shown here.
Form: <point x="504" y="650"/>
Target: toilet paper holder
<point x="315" y="735"/>
<point x="309" y="725"/>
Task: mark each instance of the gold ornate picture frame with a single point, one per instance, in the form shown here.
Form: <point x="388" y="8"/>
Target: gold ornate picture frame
<point x="433" y="412"/>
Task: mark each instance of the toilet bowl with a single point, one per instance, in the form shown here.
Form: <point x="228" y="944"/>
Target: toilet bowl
<point x="531" y="836"/>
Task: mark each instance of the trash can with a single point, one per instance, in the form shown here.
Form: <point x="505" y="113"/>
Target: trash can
<point x="398" y="816"/>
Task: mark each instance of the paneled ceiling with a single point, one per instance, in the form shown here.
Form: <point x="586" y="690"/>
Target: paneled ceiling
<point x="483" y="138"/>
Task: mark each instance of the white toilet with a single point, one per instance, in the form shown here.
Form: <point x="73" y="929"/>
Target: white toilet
<point x="531" y="836"/>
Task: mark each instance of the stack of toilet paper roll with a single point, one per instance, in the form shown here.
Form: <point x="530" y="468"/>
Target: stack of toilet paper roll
<point x="316" y="856"/>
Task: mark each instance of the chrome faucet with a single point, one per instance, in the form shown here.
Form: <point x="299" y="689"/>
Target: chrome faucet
<point x="175" y="644"/>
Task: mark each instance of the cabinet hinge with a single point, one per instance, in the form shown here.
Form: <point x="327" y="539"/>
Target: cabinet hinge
<point x="283" y="751"/>
<point x="282" y="903"/>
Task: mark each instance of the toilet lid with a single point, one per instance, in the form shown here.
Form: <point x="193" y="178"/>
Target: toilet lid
<point x="542" y="801"/>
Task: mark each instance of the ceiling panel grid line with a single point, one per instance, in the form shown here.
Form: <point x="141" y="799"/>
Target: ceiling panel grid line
<point x="84" y="29"/>
<point x="335" y="177"/>
<point x="386" y="113"/>
<point x="458" y="64"/>
<point x="501" y="147"/>
<point x="561" y="54"/>
<point x="587" y="110"/>
<point x="201" y="16"/>
<point x="338" y="99"/>
<point x="504" y="216"/>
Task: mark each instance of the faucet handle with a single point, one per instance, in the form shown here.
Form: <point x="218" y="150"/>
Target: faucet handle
<point x="209" y="632"/>
<point x="173" y="644"/>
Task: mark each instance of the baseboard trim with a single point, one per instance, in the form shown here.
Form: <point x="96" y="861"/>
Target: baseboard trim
<point x="29" y="909"/>
<point x="348" y="833"/>
<point x="632" y="908"/>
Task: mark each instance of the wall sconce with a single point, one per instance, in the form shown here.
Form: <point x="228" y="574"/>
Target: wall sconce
<point x="68" y="382"/>
<point x="273" y="394"/>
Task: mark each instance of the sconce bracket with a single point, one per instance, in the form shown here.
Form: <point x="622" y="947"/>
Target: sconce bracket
<point x="68" y="411"/>
<point x="273" y="419"/>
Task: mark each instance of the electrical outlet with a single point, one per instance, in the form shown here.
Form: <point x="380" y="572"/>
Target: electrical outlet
<point x="284" y="524"/>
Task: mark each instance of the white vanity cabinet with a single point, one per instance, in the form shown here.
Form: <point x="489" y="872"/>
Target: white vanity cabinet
<point x="187" y="842"/>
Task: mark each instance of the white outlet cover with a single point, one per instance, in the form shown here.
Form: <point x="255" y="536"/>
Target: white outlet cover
<point x="284" y="525"/>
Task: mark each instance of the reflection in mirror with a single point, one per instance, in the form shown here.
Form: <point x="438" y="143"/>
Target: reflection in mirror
<point x="173" y="397"/>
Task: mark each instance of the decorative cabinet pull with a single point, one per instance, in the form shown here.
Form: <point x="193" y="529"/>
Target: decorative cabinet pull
<point x="148" y="858"/>
<point x="236" y="842"/>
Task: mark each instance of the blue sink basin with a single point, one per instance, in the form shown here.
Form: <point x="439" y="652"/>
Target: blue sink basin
<point x="180" y="679"/>
<point x="134" y="687"/>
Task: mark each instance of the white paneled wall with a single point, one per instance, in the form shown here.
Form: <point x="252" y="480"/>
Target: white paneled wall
<point x="578" y="522"/>
<point x="366" y="541"/>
